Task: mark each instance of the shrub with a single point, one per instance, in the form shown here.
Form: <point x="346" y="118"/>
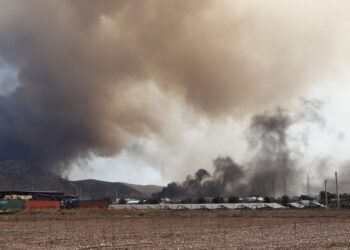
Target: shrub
<point x="285" y="200"/>
<point x="233" y="199"/>
<point x="152" y="201"/>
<point x="186" y="201"/>
<point x="122" y="201"/>
<point x="201" y="200"/>
<point x="218" y="199"/>
<point x="267" y="199"/>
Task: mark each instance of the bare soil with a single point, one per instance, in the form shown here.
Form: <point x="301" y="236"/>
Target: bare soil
<point x="107" y="229"/>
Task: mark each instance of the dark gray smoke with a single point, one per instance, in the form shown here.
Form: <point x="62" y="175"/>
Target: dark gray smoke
<point x="273" y="169"/>
<point x="191" y="187"/>
<point x="273" y="164"/>
<point x="225" y="179"/>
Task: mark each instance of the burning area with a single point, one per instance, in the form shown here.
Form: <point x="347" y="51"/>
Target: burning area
<point x="272" y="170"/>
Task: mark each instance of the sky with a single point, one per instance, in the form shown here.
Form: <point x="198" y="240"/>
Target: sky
<point x="149" y="92"/>
<point x="152" y="160"/>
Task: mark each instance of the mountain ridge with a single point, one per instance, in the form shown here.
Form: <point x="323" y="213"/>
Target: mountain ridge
<point x="17" y="175"/>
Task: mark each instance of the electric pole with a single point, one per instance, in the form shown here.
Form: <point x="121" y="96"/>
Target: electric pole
<point x="337" y="190"/>
<point x="308" y="185"/>
<point x="325" y="193"/>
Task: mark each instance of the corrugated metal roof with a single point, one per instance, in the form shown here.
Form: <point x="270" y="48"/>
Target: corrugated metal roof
<point x="206" y="206"/>
<point x="30" y="192"/>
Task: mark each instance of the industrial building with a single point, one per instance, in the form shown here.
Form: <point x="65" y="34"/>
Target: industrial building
<point x="204" y="206"/>
<point x="22" y="199"/>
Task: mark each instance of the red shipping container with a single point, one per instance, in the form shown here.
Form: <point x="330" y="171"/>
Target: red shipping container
<point x="42" y="204"/>
<point x="98" y="204"/>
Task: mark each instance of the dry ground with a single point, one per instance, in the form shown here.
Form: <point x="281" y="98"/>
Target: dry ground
<point x="106" y="229"/>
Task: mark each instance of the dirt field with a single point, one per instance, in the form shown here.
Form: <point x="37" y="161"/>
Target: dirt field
<point x="105" y="229"/>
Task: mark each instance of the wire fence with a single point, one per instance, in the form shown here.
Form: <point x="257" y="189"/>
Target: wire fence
<point x="173" y="233"/>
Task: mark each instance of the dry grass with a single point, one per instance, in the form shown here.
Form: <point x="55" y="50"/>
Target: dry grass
<point x="159" y="229"/>
<point x="288" y="213"/>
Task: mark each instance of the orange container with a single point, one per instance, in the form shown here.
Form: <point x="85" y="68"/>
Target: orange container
<point x="42" y="204"/>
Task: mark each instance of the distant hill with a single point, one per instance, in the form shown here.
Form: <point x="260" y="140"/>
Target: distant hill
<point x="96" y="188"/>
<point x="146" y="189"/>
<point x="16" y="175"/>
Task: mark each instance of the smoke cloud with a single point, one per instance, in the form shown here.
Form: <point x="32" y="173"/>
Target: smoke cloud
<point x="273" y="169"/>
<point x="85" y="69"/>
<point x="226" y="179"/>
<point x="273" y="163"/>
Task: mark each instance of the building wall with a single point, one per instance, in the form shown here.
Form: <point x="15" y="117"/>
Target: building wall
<point x="11" y="204"/>
<point x="42" y="204"/>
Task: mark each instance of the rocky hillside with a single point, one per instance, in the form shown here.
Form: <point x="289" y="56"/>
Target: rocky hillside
<point x="16" y="175"/>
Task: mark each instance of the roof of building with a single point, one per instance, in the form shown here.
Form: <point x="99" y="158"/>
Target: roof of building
<point x="23" y="192"/>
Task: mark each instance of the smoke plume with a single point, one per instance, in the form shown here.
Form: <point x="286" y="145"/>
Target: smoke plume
<point x="226" y="178"/>
<point x="84" y="68"/>
<point x="272" y="163"/>
<point x="273" y="169"/>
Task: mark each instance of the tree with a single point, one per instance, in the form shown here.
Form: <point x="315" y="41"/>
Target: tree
<point x="152" y="201"/>
<point x="122" y="201"/>
<point x="233" y="199"/>
<point x="218" y="199"/>
<point x="186" y="201"/>
<point x="201" y="200"/>
<point x="345" y="197"/>
<point x="305" y="197"/>
<point x="330" y="196"/>
<point x="285" y="200"/>
<point x="267" y="199"/>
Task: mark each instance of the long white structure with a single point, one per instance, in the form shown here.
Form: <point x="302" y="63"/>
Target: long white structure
<point x="206" y="206"/>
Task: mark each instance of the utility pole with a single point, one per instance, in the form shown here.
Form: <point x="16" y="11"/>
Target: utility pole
<point x="325" y="193"/>
<point x="308" y="185"/>
<point x="337" y="190"/>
